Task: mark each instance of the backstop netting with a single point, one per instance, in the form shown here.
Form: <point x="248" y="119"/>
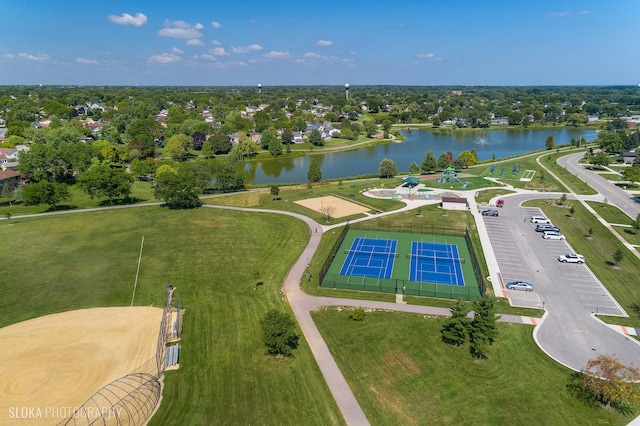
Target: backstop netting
<point x="132" y="399"/>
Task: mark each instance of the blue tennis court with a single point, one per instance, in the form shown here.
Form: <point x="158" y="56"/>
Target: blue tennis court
<point x="436" y="263"/>
<point x="370" y="257"/>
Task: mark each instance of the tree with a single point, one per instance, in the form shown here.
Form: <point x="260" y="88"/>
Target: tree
<point x="386" y="126"/>
<point x="483" y="329"/>
<point x="444" y="161"/>
<point x="207" y="149"/>
<point x="635" y="224"/>
<point x="267" y="137"/>
<point x="221" y="143"/>
<point x="370" y="128"/>
<point x="455" y="330"/>
<point x="314" y="174"/>
<point x="315" y="138"/>
<point x="197" y="140"/>
<point x="275" y="147"/>
<point x="275" y="191"/>
<point x="606" y="380"/>
<point x="414" y="169"/>
<point x="468" y="157"/>
<point x="601" y="159"/>
<point x="388" y="168"/>
<point x="177" y="145"/>
<point x="228" y="176"/>
<point x="7" y="193"/>
<point x="617" y="256"/>
<point x="563" y="199"/>
<point x="178" y="190"/>
<point x="632" y="174"/>
<point x="287" y="137"/>
<point x="45" y="192"/>
<point x="328" y="210"/>
<point x="279" y="333"/>
<point x="549" y="143"/>
<point x="429" y="163"/>
<point x="102" y="180"/>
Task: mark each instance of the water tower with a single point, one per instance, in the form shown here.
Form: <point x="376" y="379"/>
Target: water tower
<point x="259" y="87"/>
<point x="346" y="90"/>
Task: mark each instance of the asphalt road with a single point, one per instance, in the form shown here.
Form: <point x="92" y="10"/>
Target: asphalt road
<point x="614" y="195"/>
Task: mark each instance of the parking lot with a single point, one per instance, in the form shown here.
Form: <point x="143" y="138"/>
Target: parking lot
<point x="523" y="254"/>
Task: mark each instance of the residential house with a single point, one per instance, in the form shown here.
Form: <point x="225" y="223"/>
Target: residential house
<point x="8" y="158"/>
<point x="11" y="178"/>
<point x="3" y="134"/>
<point x="255" y="137"/>
<point x="593" y="118"/>
<point x="234" y="138"/>
<point x="297" y="137"/>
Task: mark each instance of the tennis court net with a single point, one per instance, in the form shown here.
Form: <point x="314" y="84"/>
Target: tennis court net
<point x="372" y="253"/>
<point x="436" y="258"/>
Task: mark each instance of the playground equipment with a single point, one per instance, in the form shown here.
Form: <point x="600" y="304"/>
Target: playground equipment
<point x="493" y="169"/>
<point x="448" y="176"/>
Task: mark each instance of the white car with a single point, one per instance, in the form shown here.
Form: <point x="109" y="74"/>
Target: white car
<point x="571" y="258"/>
<point x="551" y="235"/>
<point x="539" y="219"/>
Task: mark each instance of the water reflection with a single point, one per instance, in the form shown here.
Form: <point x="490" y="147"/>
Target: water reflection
<point x="486" y="143"/>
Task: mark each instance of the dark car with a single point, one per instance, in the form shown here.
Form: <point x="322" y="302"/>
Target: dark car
<point x="489" y="212"/>
<point x="543" y="227"/>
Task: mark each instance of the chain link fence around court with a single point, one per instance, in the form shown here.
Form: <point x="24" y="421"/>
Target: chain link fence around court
<point x="400" y="286"/>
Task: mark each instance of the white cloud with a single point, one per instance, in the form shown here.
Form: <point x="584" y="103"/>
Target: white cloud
<point x="165" y="58"/>
<point x="194" y="42"/>
<point x="246" y="49"/>
<point x="218" y="51"/>
<point x="8" y="56"/>
<point x="216" y="42"/>
<point x="312" y="55"/>
<point x="205" y="57"/>
<point x="180" y="29"/>
<point x="198" y="26"/>
<point x="177" y="51"/>
<point x="426" y="55"/>
<point x="35" y="58"/>
<point x="323" y="43"/>
<point x="558" y="14"/>
<point x="216" y="24"/>
<point x="585" y="12"/>
<point x="86" y="61"/>
<point x="277" y="55"/>
<point x="253" y="21"/>
<point x="126" y="19"/>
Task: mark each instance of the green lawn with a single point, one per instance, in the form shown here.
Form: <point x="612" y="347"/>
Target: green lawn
<point x="349" y="190"/>
<point x="610" y="213"/>
<point x="542" y="181"/>
<point x="213" y="258"/>
<point x="483" y="197"/>
<point x="572" y="181"/>
<point x="402" y="373"/>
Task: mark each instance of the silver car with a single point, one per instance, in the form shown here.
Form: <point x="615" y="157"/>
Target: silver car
<point x="520" y="285"/>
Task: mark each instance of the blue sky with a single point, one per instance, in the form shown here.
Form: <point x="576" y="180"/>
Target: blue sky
<point x="285" y="42"/>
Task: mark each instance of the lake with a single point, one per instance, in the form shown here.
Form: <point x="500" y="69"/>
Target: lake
<point x="501" y="143"/>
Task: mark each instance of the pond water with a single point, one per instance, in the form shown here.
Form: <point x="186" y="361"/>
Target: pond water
<point x="487" y="143"/>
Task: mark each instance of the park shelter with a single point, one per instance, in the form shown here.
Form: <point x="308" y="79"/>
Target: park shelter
<point x="411" y="181"/>
<point x="454" y="203"/>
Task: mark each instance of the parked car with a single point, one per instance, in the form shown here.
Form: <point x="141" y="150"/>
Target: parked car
<point x="546" y="227"/>
<point x="520" y="285"/>
<point x="552" y="235"/>
<point x="490" y="212"/>
<point x="571" y="258"/>
<point x="500" y="203"/>
<point x="539" y="219"/>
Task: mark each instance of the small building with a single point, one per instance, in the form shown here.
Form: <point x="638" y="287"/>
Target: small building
<point x="454" y="203"/>
<point x="629" y="157"/>
<point x="11" y="178"/>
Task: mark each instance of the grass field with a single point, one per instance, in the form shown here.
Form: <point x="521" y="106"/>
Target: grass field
<point x="402" y="373"/>
<point x="542" y="180"/>
<point x="569" y="179"/>
<point x="214" y="259"/>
